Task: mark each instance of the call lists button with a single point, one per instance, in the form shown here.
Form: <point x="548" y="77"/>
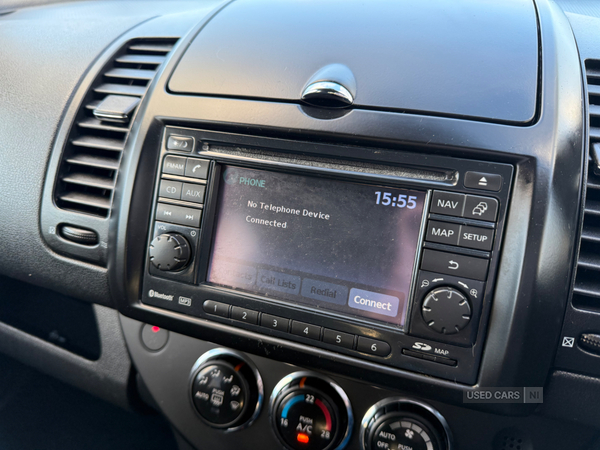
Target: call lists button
<point x="374" y="302"/>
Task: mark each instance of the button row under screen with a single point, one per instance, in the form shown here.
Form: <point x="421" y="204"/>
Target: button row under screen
<point x="363" y="344"/>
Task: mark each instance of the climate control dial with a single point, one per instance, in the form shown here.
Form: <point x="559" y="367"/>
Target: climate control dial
<point x="404" y="424"/>
<point x="226" y="389"/>
<point x="310" y="412"/>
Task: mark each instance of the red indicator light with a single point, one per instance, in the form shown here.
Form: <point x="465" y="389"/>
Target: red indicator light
<point x="302" y="438"/>
<point x="155" y="329"/>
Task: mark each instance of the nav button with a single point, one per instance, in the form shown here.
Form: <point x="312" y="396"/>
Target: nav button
<point x="448" y="203"/>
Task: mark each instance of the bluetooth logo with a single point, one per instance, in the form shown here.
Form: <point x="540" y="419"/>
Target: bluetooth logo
<point x="230" y="176"/>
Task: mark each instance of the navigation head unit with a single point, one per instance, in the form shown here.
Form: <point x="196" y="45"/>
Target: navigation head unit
<point x="390" y="259"/>
<point x="323" y="244"/>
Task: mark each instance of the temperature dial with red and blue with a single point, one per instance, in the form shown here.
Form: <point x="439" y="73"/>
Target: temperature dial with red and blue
<point x="310" y="412"/>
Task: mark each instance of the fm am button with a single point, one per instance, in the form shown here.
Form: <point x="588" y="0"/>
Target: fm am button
<point x="448" y="203"/>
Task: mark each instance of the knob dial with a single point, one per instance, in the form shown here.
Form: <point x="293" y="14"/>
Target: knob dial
<point x="446" y="310"/>
<point x="310" y="412"/>
<point x="404" y="424"/>
<point x="226" y="389"/>
<point x="170" y="252"/>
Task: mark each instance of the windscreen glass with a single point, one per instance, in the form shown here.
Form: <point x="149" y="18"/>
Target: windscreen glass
<point x="329" y="245"/>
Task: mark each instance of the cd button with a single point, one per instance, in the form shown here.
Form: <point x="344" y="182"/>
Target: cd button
<point x="453" y="264"/>
<point x="483" y="181"/>
<point x="274" y="322"/>
<point x="444" y="233"/>
<point x="338" y="338"/>
<point x="170" y="189"/>
<point x="244" y="315"/>
<point x="481" y="208"/>
<point x="306" y="330"/>
<point x="448" y="203"/>
<point x="373" y="347"/>
<point x="216" y="308"/>
<point x="174" y="165"/>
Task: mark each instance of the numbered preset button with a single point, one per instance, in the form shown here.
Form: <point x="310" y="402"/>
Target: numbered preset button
<point x="306" y="330"/>
<point x="373" y="347"/>
<point x="216" y="308"/>
<point x="274" y="322"/>
<point x="244" y="315"/>
<point x="338" y="338"/>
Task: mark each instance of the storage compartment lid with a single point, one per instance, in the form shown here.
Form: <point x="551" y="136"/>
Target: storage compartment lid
<point x="467" y="58"/>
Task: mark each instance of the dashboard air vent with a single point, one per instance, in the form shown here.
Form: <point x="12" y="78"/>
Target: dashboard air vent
<point x="586" y="293"/>
<point x="92" y="154"/>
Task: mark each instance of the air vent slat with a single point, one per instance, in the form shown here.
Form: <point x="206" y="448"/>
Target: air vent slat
<point x="92" y="105"/>
<point x="95" y="124"/>
<point x="92" y="155"/>
<point x="114" y="145"/>
<point x="151" y="48"/>
<point x="141" y="59"/>
<point x="85" y="179"/>
<point x="586" y="292"/>
<point x="594" y="133"/>
<point x="592" y="208"/>
<point x="94" y="161"/>
<point x="594" y="89"/>
<point x="594" y="110"/>
<point x="131" y="74"/>
<point x="591" y="234"/>
<point x="120" y="89"/>
<point x="87" y="200"/>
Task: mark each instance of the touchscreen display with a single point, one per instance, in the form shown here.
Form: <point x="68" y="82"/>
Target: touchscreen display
<point x="338" y="246"/>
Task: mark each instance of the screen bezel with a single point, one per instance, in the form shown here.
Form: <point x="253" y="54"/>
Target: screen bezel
<point x="210" y="225"/>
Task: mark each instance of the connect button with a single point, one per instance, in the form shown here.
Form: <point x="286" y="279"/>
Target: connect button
<point x="374" y="302"/>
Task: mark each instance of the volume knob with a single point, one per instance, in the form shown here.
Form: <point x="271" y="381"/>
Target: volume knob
<point x="170" y="252"/>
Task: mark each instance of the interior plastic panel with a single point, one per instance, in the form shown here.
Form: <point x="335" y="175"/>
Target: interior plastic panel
<point x="272" y="50"/>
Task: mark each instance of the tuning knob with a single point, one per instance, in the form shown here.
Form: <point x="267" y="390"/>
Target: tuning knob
<point x="446" y="310"/>
<point x="170" y="252"/>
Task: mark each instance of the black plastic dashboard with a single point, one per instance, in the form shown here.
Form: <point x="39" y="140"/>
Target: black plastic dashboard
<point x="480" y="114"/>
